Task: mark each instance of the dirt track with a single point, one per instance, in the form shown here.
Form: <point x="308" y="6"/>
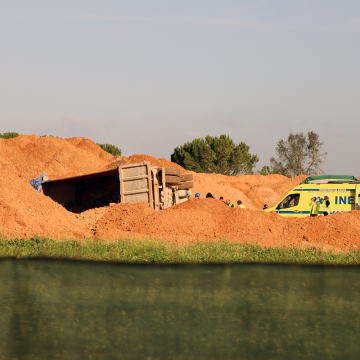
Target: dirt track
<point x="25" y="213"/>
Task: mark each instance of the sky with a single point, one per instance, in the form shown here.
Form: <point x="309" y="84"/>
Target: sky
<point x="148" y="76"/>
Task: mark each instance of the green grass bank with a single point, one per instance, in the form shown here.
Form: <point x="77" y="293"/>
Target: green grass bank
<point x="161" y="252"/>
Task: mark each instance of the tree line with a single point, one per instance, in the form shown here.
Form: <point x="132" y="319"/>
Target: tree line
<point x="298" y="154"/>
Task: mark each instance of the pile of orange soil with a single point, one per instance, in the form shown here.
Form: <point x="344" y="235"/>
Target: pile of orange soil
<point x="139" y="158"/>
<point x="30" y="156"/>
<point x="25" y="213"/>
<point x="253" y="190"/>
<point x="209" y="219"/>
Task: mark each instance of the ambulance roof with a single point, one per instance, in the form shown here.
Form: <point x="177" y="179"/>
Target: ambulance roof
<point x="324" y="179"/>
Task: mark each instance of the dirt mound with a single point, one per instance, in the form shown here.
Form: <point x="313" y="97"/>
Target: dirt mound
<point x="204" y="183"/>
<point x="90" y="147"/>
<point x="24" y="213"/>
<point x="206" y="219"/>
<point x="283" y="187"/>
<point x="255" y="196"/>
<point x="260" y="179"/>
<point x="241" y="186"/>
<point x="31" y="156"/>
<point x="257" y="190"/>
<point x="268" y="195"/>
<point x="141" y="158"/>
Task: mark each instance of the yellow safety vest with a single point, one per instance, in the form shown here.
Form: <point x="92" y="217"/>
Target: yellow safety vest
<point x="315" y="207"/>
<point x="324" y="207"/>
<point x="242" y="206"/>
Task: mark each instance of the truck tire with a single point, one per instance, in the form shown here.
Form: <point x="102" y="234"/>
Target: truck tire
<point x="186" y="185"/>
<point x="170" y="171"/>
<point x="171" y="179"/>
<point x="186" y="177"/>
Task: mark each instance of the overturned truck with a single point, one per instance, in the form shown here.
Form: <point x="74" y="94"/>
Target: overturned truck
<point x="159" y="187"/>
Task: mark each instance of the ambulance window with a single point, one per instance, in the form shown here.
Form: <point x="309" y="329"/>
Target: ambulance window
<point x="359" y="199"/>
<point x="289" y="202"/>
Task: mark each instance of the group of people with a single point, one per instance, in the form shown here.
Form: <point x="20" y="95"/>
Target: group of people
<point x="227" y="202"/>
<point x="315" y="205"/>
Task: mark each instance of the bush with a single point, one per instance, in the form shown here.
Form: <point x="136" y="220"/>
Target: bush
<point x="8" y="135"/>
<point x="111" y="149"/>
<point x="265" y="170"/>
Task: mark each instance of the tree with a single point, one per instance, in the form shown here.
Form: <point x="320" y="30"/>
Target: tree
<point x="265" y="170"/>
<point x="8" y="135"/>
<point x="217" y="155"/>
<point x="111" y="149"/>
<point x="299" y="154"/>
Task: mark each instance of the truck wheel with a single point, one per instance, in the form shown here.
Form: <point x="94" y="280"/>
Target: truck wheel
<point x="170" y="171"/>
<point x="186" y="177"/>
<point x="186" y="185"/>
<point x="171" y="179"/>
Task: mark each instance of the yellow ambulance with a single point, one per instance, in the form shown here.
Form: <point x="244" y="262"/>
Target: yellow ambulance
<point x="343" y="190"/>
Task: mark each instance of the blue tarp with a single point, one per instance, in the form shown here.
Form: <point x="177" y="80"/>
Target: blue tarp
<point x="38" y="181"/>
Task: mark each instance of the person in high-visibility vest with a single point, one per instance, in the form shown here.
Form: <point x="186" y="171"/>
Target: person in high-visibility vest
<point x="240" y="204"/>
<point x="228" y="203"/>
<point x="326" y="205"/>
<point x="315" y="206"/>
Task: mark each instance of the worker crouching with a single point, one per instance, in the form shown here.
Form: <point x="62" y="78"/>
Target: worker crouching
<point x="228" y="203"/>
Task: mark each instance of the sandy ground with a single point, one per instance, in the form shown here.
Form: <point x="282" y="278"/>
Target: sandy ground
<point x="25" y="213"/>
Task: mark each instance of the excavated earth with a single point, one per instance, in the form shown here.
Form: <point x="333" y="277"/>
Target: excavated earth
<point x="24" y="212"/>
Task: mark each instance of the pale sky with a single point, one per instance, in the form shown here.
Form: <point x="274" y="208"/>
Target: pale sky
<point x="148" y="76"/>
